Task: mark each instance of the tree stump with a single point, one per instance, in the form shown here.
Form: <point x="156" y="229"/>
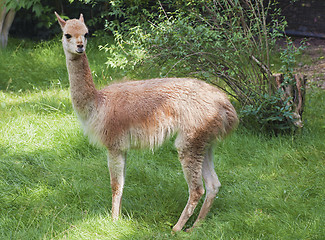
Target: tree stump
<point x="6" y="18"/>
<point x="294" y="91"/>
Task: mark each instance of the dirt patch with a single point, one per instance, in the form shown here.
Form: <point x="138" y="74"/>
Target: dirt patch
<point x="315" y="70"/>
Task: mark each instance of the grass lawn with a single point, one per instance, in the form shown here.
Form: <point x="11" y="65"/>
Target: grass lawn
<point x="55" y="185"/>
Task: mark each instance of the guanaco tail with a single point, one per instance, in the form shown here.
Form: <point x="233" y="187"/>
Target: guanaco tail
<point x="138" y="114"/>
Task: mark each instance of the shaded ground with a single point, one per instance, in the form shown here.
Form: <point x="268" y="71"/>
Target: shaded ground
<point x="315" y="71"/>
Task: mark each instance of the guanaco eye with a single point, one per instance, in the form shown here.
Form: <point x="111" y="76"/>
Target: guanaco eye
<point x="67" y="36"/>
<point x="86" y="35"/>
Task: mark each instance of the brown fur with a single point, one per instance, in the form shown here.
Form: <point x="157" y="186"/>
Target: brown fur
<point x="146" y="113"/>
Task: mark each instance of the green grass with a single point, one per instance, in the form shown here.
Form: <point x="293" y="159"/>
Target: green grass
<point x="55" y="185"/>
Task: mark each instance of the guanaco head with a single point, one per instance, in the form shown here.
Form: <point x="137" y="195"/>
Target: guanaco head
<point x="75" y="34"/>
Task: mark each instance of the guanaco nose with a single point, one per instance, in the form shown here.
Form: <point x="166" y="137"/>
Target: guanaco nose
<point x="79" y="42"/>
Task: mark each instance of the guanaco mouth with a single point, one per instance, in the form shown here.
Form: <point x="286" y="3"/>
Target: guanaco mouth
<point x="80" y="50"/>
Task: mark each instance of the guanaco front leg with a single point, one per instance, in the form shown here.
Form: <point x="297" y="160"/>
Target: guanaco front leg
<point x="116" y="164"/>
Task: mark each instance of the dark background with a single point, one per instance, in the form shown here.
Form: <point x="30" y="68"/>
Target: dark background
<point x="304" y="17"/>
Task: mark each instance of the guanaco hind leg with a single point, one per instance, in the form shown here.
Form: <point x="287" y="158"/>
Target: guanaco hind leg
<point x="212" y="185"/>
<point x="192" y="168"/>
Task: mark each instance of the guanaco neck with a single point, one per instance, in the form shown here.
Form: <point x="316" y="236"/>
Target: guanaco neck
<point x="82" y="87"/>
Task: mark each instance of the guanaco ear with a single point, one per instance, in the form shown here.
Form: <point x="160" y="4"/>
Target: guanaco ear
<point x="81" y="18"/>
<point x="60" y="20"/>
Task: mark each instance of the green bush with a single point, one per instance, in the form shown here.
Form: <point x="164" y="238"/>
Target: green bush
<point x="272" y="114"/>
<point x="275" y="111"/>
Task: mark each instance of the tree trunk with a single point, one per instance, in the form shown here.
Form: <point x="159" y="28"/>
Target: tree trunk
<point x="296" y="92"/>
<point x="6" y="19"/>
